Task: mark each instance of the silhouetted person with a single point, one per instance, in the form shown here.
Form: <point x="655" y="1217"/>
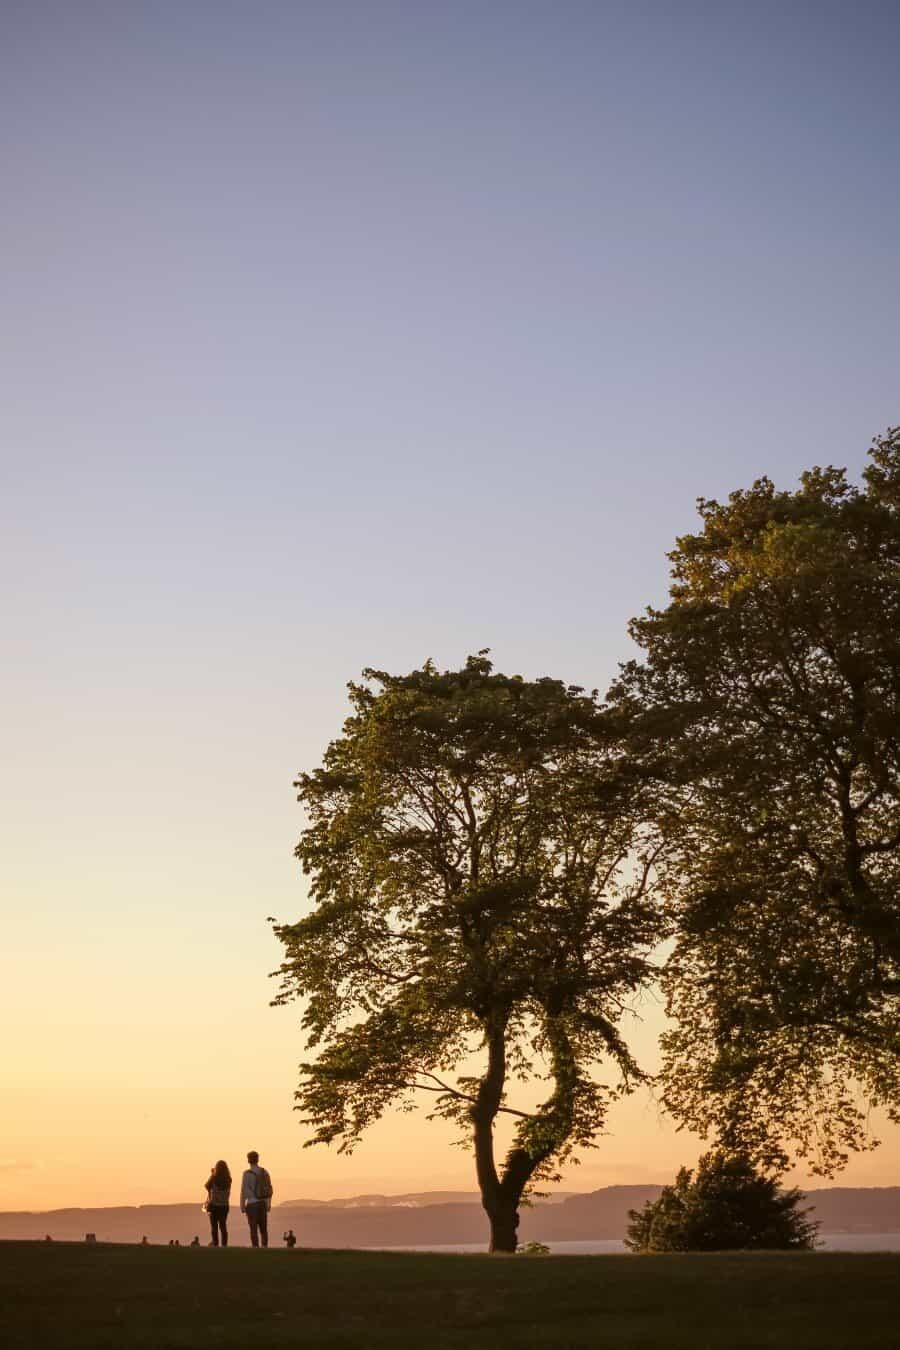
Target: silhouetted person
<point x="289" y="1240"/>
<point x="256" y="1196"/>
<point x="218" y="1190"/>
<point x="144" y="1241"/>
<point x="90" y="1237"/>
<point x="48" y="1238"/>
<point x="195" y="1241"/>
<point x="171" y="1242"/>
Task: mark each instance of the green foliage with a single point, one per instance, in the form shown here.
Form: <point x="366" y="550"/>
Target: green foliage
<point x="727" y="1206"/>
<point x="768" y="706"/>
<point x="480" y="885"/>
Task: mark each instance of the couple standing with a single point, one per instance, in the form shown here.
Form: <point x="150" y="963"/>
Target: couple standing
<point x="256" y="1197"/>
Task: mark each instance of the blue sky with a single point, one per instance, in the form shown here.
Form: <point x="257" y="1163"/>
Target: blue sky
<point x="337" y="334"/>
<point x="454" y="308"/>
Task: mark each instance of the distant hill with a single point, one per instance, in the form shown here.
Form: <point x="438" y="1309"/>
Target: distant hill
<point x="851" y="1209"/>
<point x="414" y="1220"/>
<point x="415" y="1200"/>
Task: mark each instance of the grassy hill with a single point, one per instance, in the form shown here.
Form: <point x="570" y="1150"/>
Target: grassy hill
<point x="70" y="1297"/>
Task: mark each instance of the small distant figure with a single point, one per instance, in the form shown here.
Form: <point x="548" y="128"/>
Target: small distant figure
<point x="144" y="1241"/>
<point x="195" y="1241"/>
<point x="47" y="1238"/>
<point x="90" y="1237"/>
<point x="289" y="1240"/>
<point x="218" y="1195"/>
<point x="256" y="1197"/>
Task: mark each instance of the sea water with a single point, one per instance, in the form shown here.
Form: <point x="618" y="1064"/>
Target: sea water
<point x="828" y="1242"/>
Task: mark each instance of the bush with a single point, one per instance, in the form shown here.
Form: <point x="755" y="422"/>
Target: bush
<point x="727" y="1206"/>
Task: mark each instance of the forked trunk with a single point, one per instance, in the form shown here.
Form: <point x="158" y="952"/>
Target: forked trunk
<point x="501" y="1210"/>
<point x="500" y="1196"/>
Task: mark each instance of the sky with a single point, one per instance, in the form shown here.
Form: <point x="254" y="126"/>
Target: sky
<point x="341" y="334"/>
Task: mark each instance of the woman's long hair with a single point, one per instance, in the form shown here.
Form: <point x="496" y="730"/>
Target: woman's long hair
<point x="220" y="1172"/>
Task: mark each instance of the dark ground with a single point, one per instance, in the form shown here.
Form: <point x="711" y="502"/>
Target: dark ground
<point x="158" y="1298"/>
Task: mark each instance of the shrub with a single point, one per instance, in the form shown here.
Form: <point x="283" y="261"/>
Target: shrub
<point x="727" y="1206"/>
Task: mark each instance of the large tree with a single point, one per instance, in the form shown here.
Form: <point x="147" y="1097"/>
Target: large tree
<point x="479" y="889"/>
<point x="769" y="695"/>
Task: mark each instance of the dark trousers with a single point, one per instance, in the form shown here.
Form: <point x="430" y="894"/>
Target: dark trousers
<point x="258" y="1219"/>
<point x="218" y="1223"/>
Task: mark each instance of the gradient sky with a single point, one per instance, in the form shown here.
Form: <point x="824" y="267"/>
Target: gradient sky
<point x="337" y="334"/>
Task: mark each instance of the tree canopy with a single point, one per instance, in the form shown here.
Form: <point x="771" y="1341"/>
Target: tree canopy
<point x="727" y="1205"/>
<point x="769" y="700"/>
<point x="481" y="886"/>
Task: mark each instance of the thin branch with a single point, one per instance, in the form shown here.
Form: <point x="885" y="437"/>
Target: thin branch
<point x="388" y="975"/>
<point x="444" y="1090"/>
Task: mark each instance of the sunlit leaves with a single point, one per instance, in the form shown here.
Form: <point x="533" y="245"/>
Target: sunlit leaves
<point x="770" y="696"/>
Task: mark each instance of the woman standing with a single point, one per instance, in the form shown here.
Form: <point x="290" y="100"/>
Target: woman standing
<point x="218" y="1190"/>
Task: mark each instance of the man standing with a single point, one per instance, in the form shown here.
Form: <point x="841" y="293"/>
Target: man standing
<point x="256" y="1196"/>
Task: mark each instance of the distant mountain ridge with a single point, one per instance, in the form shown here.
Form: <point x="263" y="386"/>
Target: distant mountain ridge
<point x="414" y="1200"/>
<point x="595" y="1215"/>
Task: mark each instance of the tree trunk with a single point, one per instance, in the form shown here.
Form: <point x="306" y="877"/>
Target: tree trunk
<point x="504" y="1228"/>
<point x="500" y="1196"/>
<point x="503" y="1216"/>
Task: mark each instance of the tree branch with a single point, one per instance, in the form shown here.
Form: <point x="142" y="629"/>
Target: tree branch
<point x="464" y="1097"/>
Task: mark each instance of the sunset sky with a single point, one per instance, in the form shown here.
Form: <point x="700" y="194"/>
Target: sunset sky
<point x="342" y="334"/>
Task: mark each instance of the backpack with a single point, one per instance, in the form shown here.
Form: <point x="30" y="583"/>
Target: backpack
<point x="263" y="1185"/>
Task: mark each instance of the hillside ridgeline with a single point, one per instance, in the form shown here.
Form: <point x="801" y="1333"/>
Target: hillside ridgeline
<point x="596" y="1215"/>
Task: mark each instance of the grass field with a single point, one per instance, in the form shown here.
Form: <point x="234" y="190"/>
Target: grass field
<point x="63" y="1296"/>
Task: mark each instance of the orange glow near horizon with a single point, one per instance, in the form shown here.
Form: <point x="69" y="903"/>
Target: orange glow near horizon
<point x="136" y="962"/>
<point x="118" y="1096"/>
